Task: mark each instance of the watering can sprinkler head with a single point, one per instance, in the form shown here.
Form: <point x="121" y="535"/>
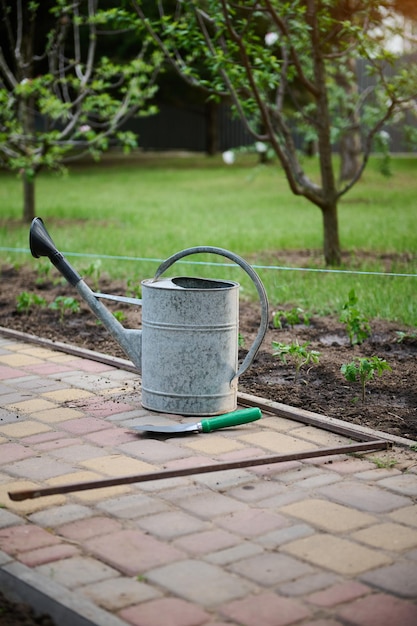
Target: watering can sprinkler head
<point x="41" y="244"/>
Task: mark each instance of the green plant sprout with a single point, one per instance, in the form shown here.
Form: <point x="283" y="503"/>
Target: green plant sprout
<point x="63" y="304"/>
<point x="357" y="324"/>
<point x="299" y="354"/>
<point x="26" y="301"/>
<point x="241" y="340"/>
<point x="290" y="318"/>
<point x="403" y="336"/>
<point x="93" y="271"/>
<point x="43" y="270"/>
<point x="134" y="288"/>
<point x="364" y="369"/>
<point x="120" y="316"/>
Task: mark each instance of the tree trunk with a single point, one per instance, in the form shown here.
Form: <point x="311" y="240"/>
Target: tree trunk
<point x="350" y="142"/>
<point x="331" y="244"/>
<point x="28" y="198"/>
<point x="212" y="135"/>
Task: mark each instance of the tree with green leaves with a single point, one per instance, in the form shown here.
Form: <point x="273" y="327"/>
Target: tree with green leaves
<point x="67" y="83"/>
<point x="290" y="66"/>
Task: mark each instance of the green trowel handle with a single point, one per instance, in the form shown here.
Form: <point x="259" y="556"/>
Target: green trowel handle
<point x="231" y="419"/>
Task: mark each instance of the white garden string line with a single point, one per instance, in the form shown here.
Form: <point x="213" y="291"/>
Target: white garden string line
<point x="257" y="267"/>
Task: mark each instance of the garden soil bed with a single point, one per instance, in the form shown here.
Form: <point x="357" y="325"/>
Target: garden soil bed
<point x="391" y="399"/>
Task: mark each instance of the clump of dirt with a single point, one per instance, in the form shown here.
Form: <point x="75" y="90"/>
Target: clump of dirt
<point x="390" y="402"/>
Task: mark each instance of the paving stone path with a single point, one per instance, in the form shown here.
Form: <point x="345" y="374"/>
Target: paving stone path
<point x="322" y="542"/>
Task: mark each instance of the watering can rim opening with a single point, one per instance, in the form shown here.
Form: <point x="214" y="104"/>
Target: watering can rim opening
<point x="174" y="283"/>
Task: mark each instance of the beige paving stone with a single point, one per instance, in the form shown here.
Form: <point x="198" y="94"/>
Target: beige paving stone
<point x="317" y="435"/>
<point x="118" y="465"/>
<point x="406" y="515"/>
<point x="65" y="395"/>
<point x="41" y="353"/>
<point x="89" y="495"/>
<point x="328" y="515"/>
<point x="60" y="414"/>
<point x="19" y="360"/>
<point x="336" y="554"/>
<point x="277" y="442"/>
<point x="278" y="423"/>
<point x="24" y="429"/>
<point x="26" y="507"/>
<point x="32" y="406"/>
<point x="19" y="346"/>
<point x="213" y="445"/>
<point x="388" y="537"/>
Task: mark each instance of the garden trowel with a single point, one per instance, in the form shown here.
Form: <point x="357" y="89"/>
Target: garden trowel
<point x="243" y="416"/>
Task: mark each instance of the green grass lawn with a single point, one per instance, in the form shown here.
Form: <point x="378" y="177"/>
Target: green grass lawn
<point x="153" y="207"/>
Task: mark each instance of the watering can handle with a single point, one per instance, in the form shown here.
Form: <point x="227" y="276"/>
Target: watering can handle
<point x="263" y="327"/>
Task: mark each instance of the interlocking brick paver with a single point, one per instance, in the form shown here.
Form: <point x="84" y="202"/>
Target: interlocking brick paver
<point x="267" y="609"/>
<point x="64" y="514"/>
<point x="171" y="524"/>
<point x="271" y="568"/>
<point x="213" y="445"/>
<point x="66" y="394"/>
<point x="11" y="452"/>
<point x="132" y="506"/>
<point x="328" y="515"/>
<point x="235" y="553"/>
<point x="114" y="594"/>
<point x="336" y="554"/>
<point x="206" y="541"/>
<point x="405" y="515"/>
<point x="40" y="467"/>
<point x="210" y="505"/>
<point x="275" y="538"/>
<point x="252" y="522"/>
<point x="405" y="484"/>
<point x="154" y="451"/>
<point x="388" y="537"/>
<point x="23" y="428"/>
<point x="84" y="425"/>
<point x="277" y="442"/>
<point x="132" y="551"/>
<point x="76" y="571"/>
<point x="307" y="584"/>
<point x="26" y="507"/>
<point x="83" y="529"/>
<point x="371" y="498"/>
<point x="180" y="612"/>
<point x="9" y="519"/>
<point x="26" y="537"/>
<point x="380" y="610"/>
<point x="118" y="465"/>
<point x="59" y="414"/>
<point x="33" y="558"/>
<point x="199" y="582"/>
<point x="339" y="594"/>
<point x="255" y="490"/>
<point x="222" y="481"/>
<point x="399" y="579"/>
<point x="32" y="406"/>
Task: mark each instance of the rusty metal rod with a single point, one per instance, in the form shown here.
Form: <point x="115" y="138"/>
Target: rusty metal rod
<point x="27" y="494"/>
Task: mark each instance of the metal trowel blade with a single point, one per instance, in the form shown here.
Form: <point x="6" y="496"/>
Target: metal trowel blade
<point x="170" y="429"/>
<point x="207" y="425"/>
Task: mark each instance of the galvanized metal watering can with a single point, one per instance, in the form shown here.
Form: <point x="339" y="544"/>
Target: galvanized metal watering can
<point x="187" y="349"/>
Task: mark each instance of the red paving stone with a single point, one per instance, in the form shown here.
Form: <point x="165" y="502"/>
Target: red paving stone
<point x="266" y="609"/>
<point x="33" y="558"/>
<point x="380" y="610"/>
<point x="165" y="612"/>
<point x="11" y="452"/>
<point x="338" y="594"/>
<point x="14" y="538"/>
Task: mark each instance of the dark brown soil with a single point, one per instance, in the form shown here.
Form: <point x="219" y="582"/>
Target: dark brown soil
<point x="391" y="399"/>
<point x="19" y="614"/>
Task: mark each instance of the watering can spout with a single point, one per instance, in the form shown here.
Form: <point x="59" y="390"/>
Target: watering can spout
<point x="41" y="244"/>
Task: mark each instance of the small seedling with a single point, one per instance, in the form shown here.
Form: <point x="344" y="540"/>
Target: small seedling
<point x="42" y="271"/>
<point x="299" y="354"/>
<point x="403" y="336"/>
<point x="63" y="304"/>
<point x="241" y="341"/>
<point x="364" y="369"/>
<point x="120" y="316"/>
<point x="384" y="463"/>
<point x="357" y="325"/>
<point x="26" y="301"/>
<point x="93" y="271"/>
<point x="290" y="318"/>
<point x="134" y="288"/>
